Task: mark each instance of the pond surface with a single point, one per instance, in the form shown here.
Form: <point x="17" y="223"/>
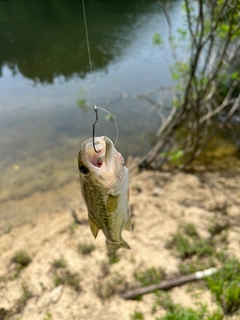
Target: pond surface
<point x="47" y="91"/>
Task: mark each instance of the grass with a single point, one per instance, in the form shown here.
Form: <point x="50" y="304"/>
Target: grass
<point x="163" y="300"/>
<point x="86" y="248"/>
<point x="187" y="247"/>
<point x="58" y="281"/>
<point x="137" y="315"/>
<point x="22" y="301"/>
<point x="65" y="277"/>
<point x="217" y="228"/>
<point x="177" y="312"/>
<point x="105" y="288"/>
<point x="198" y="253"/>
<point x="19" y="304"/>
<point x="148" y="276"/>
<point x="47" y="316"/>
<point x="113" y="257"/>
<point x="73" y="227"/>
<point x="3" y="313"/>
<point x="191" y="230"/>
<point x="105" y="269"/>
<point x="225" y="286"/>
<point x="59" y="263"/>
<point x="68" y="278"/>
<point x="21" y="258"/>
<point x="201" y="313"/>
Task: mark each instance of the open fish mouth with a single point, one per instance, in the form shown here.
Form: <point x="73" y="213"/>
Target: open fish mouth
<point x="97" y="161"/>
<point x="101" y="158"/>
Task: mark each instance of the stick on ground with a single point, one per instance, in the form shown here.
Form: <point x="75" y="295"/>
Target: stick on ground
<point x="168" y="284"/>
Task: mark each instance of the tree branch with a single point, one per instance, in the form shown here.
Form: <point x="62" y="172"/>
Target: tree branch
<point x="169" y="284"/>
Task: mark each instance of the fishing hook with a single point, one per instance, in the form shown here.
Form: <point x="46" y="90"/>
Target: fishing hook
<point x="93" y="132"/>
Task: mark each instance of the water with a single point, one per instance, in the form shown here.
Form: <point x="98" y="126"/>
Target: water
<point x="44" y="72"/>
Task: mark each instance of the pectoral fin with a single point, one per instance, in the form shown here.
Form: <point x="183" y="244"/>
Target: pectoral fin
<point x="112" y="203"/>
<point x="94" y="228"/>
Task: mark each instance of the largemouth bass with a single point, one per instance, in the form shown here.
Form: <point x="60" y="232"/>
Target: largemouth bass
<point x="105" y="189"/>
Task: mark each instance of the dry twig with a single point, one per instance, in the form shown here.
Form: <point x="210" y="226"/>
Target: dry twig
<point x="168" y="284"/>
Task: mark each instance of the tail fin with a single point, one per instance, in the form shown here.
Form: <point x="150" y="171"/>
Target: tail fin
<point x="114" y="246"/>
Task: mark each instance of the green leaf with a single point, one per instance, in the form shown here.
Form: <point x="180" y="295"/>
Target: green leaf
<point x="157" y="39"/>
<point x="235" y="75"/>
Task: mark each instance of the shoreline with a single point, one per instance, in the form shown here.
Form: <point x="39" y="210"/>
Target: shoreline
<point x="161" y="203"/>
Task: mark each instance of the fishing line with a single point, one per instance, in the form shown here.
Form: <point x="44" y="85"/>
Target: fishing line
<point x="88" y="46"/>
<point x="91" y="71"/>
<point x="115" y="121"/>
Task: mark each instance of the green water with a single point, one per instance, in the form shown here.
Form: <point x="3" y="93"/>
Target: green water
<point x="44" y="72"/>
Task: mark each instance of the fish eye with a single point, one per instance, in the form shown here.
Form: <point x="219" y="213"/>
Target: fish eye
<point x="84" y="170"/>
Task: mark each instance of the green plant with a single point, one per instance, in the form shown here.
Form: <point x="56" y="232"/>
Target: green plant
<point x="181" y="243"/>
<point x="106" y="288"/>
<point x="225" y="286"/>
<point x="201" y="313"/>
<point x="4" y="313"/>
<point x="137" y="315"/>
<point x="81" y="101"/>
<point x="217" y="228"/>
<point x="21" y="302"/>
<point x="191" y="244"/>
<point x="113" y="257"/>
<point x="203" y="248"/>
<point x="86" y="248"/>
<point x="174" y="156"/>
<point x="206" y="91"/>
<point x="72" y="228"/>
<point x="149" y="276"/>
<point x="59" y="263"/>
<point x="21" y="258"/>
<point x="58" y="281"/>
<point x="105" y="269"/>
<point x="68" y="278"/>
<point x="157" y="39"/>
<point x="197" y="253"/>
<point x="182" y="314"/>
<point x="47" y="316"/>
<point x="73" y="279"/>
<point x="195" y="264"/>
<point x="191" y="230"/>
<point x="162" y="299"/>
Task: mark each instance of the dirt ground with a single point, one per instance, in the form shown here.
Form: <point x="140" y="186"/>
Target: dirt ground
<point x="160" y="202"/>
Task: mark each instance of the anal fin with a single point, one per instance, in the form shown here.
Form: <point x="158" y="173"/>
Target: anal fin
<point x="94" y="228"/>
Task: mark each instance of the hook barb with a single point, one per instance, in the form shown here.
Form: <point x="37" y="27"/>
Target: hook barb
<point x="93" y="132"/>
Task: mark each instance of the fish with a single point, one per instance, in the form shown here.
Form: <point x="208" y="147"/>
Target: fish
<point x="104" y="181"/>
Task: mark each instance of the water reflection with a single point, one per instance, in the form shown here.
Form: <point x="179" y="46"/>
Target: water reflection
<point x="44" y="67"/>
<point x="46" y="39"/>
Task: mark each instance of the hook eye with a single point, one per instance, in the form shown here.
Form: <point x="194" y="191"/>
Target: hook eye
<point x="84" y="170"/>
